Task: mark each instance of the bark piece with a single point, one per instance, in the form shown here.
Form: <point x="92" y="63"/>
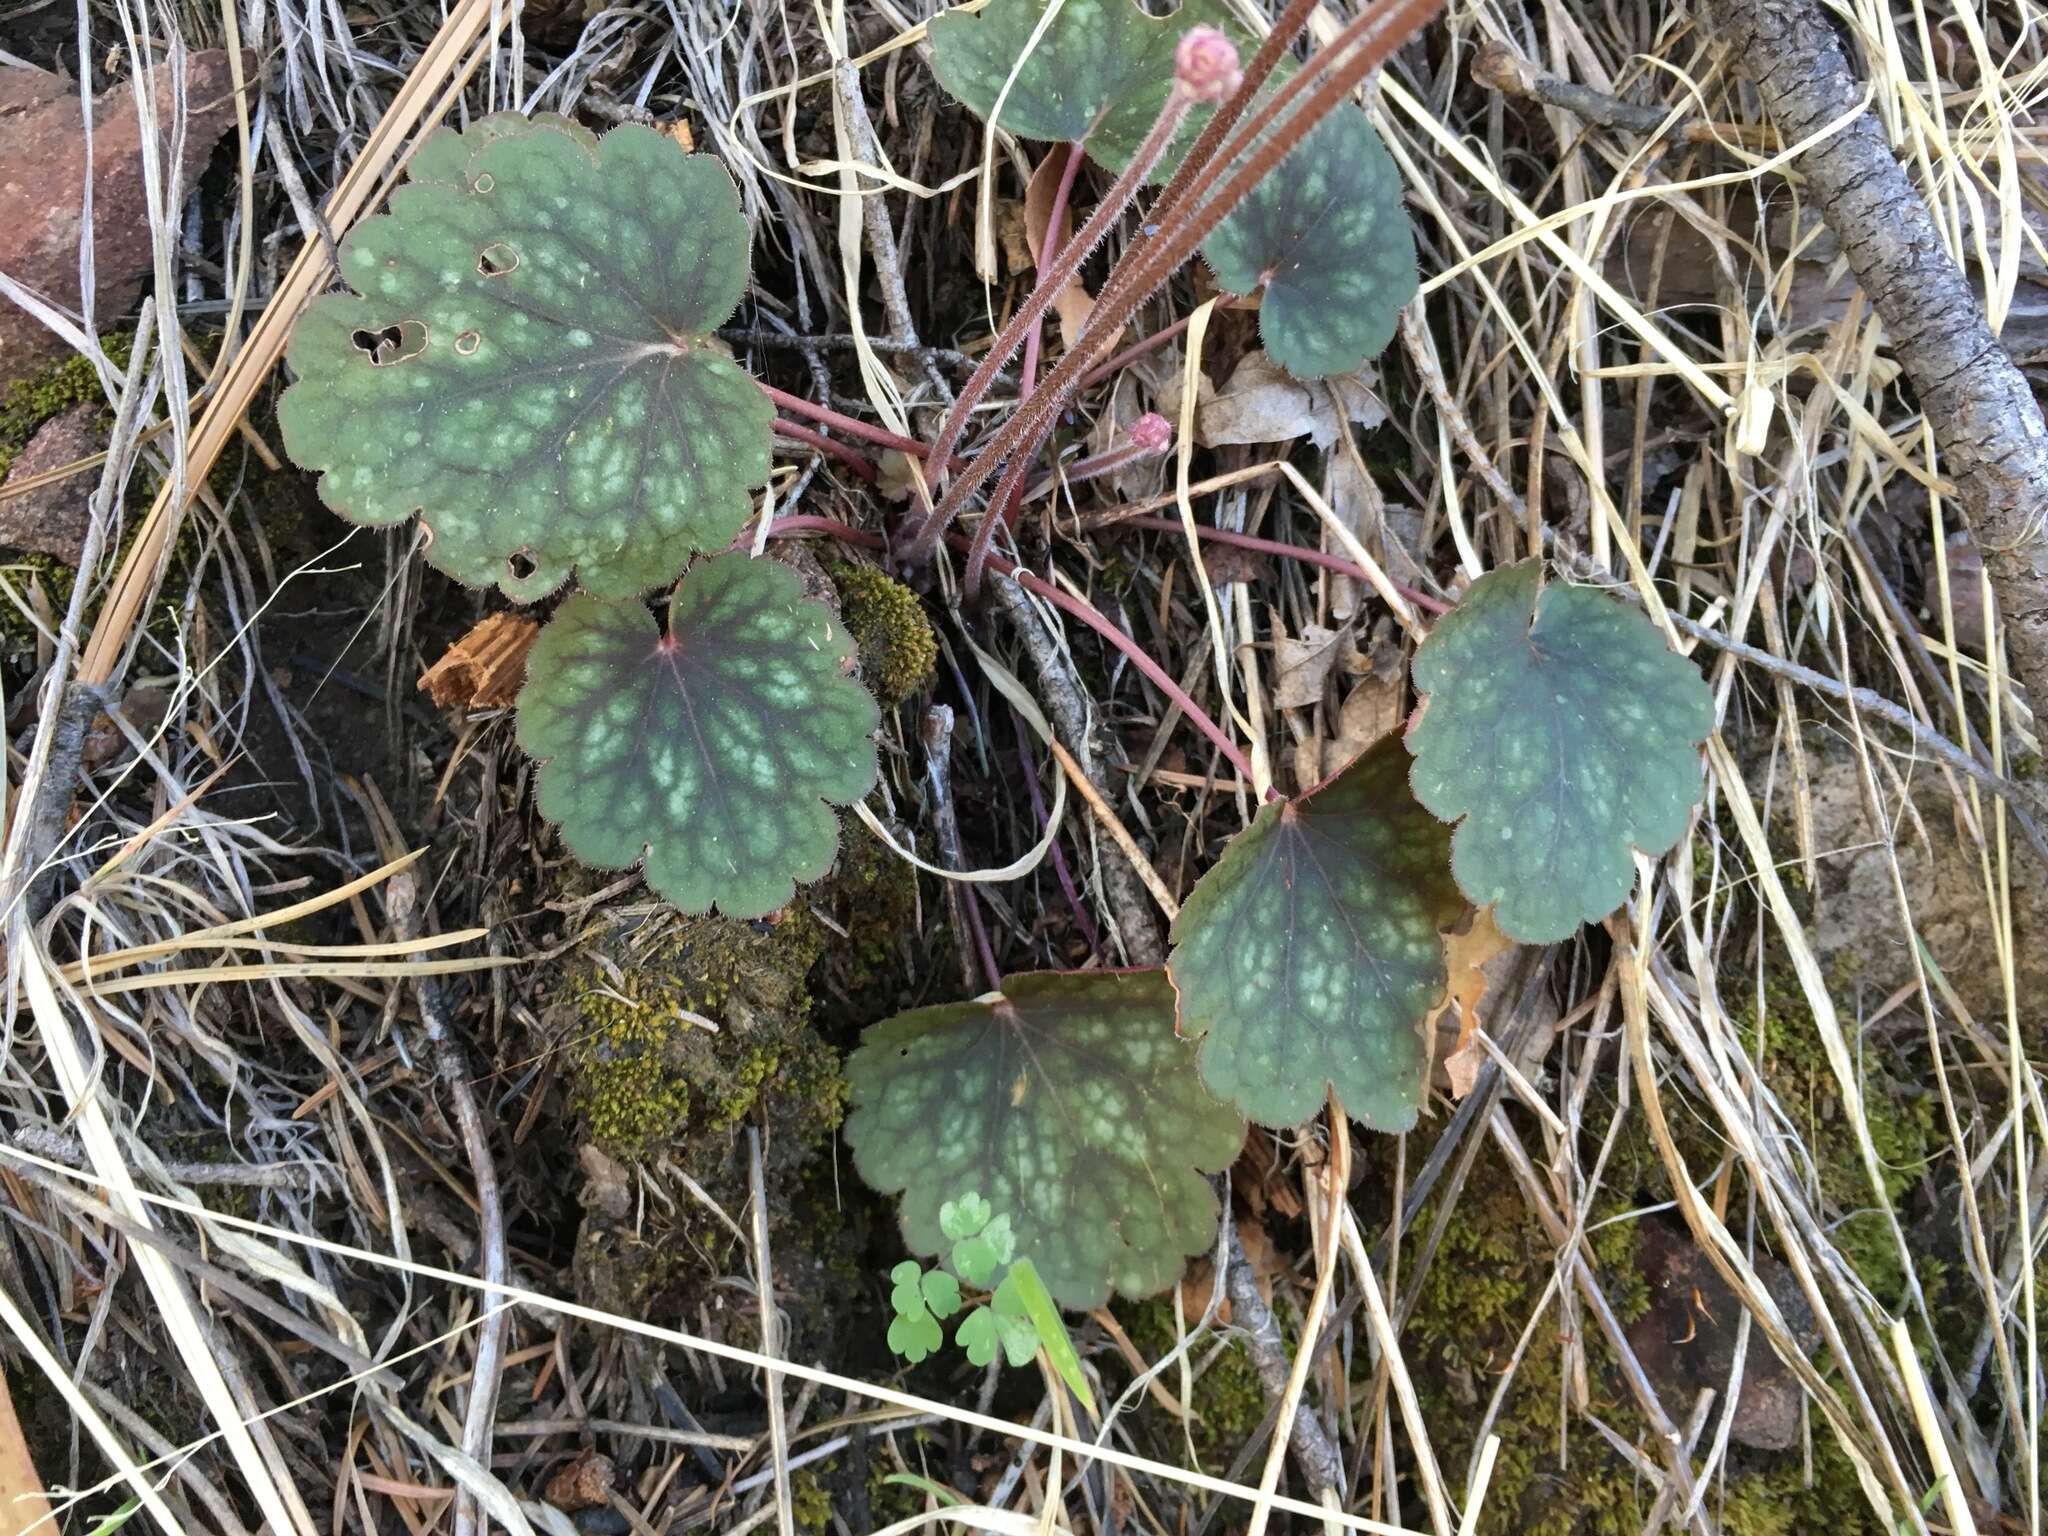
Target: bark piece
<point x="1986" y="421"/>
<point x="52" y="519"/>
<point x="485" y="668"/>
<point x="42" y="182"/>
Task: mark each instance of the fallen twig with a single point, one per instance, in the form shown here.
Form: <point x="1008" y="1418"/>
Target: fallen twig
<point x="1986" y="421"/>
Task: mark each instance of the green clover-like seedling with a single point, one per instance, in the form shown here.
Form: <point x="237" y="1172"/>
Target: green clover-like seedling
<point x="1069" y="1102"/>
<point x="526" y="360"/>
<point x="717" y="749"/>
<point x="1324" y="235"/>
<point x="1309" y="956"/>
<point x="941" y="1292"/>
<point x="977" y="1336"/>
<point x="914" y="1336"/>
<point x="1013" y="1325"/>
<point x="906" y="1295"/>
<point x="1023" y="1297"/>
<point x="913" y="1333"/>
<point x="978" y="1256"/>
<point x="1560" y="733"/>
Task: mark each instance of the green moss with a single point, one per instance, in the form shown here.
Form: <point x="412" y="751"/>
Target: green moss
<point x="810" y="1503"/>
<point x="24" y="407"/>
<point x="1490" y="1275"/>
<point x="897" y="647"/>
<point x="1902" y="1121"/>
<point x="889" y="1503"/>
<point x="69" y="381"/>
<point x="279" y="497"/>
<point x="1228" y="1398"/>
<point x="1778" y="1501"/>
<point x="689" y="1031"/>
<point x="871" y="896"/>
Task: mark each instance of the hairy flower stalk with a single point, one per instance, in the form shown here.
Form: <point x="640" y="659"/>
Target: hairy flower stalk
<point x="1211" y="63"/>
<point x="1146" y="438"/>
<point x="1324" y="84"/>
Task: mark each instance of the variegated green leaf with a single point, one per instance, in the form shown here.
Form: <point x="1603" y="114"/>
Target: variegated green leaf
<point x="1327" y="240"/>
<point x="1069" y="1103"/>
<point x="1308" y="957"/>
<point x="717" y="748"/>
<point x="1099" y="74"/>
<point x="1561" y="734"/>
<point x="545" y="392"/>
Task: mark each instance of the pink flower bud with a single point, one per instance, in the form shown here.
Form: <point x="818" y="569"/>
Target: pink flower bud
<point x="1152" y="433"/>
<point x="1205" y="66"/>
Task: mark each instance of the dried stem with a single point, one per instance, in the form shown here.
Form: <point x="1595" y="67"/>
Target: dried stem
<point x="962" y="901"/>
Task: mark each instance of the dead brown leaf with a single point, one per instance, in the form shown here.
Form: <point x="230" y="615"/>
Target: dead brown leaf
<point x="1074" y="304"/>
<point x="1468" y="950"/>
<point x="1263" y="403"/>
<point x="1302" y="664"/>
<point x="1200" y="1280"/>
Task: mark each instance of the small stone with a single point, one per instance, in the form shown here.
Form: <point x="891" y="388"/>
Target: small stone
<point x="585" y="1483"/>
<point x="42" y="178"/>
<point x="52" y="519"/>
<point x="1686" y="1340"/>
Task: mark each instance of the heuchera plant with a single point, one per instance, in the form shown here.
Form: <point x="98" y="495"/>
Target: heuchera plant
<point x="527" y="362"/>
<point x="1324" y="237"/>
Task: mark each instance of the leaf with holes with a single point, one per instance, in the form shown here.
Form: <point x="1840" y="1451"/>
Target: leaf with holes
<point x="1309" y="956"/>
<point x="526" y="360"/>
<point x="1561" y="734"/>
<point x="717" y="749"/>
<point x="1324" y="235"/>
<point x="1069" y="1103"/>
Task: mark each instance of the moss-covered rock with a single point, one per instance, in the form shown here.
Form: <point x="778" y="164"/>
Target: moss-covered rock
<point x="684" y="1036"/>
<point x="70" y="381"/>
<point x="897" y="647"/>
<point x="1902" y="1119"/>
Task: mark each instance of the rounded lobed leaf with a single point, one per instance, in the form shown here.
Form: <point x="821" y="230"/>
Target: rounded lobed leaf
<point x="1067" y="1100"/>
<point x="1100" y="73"/>
<point x="1327" y="236"/>
<point x="1308" y="958"/>
<point x="713" y="749"/>
<point x="1561" y="733"/>
<point x="526" y="360"/>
